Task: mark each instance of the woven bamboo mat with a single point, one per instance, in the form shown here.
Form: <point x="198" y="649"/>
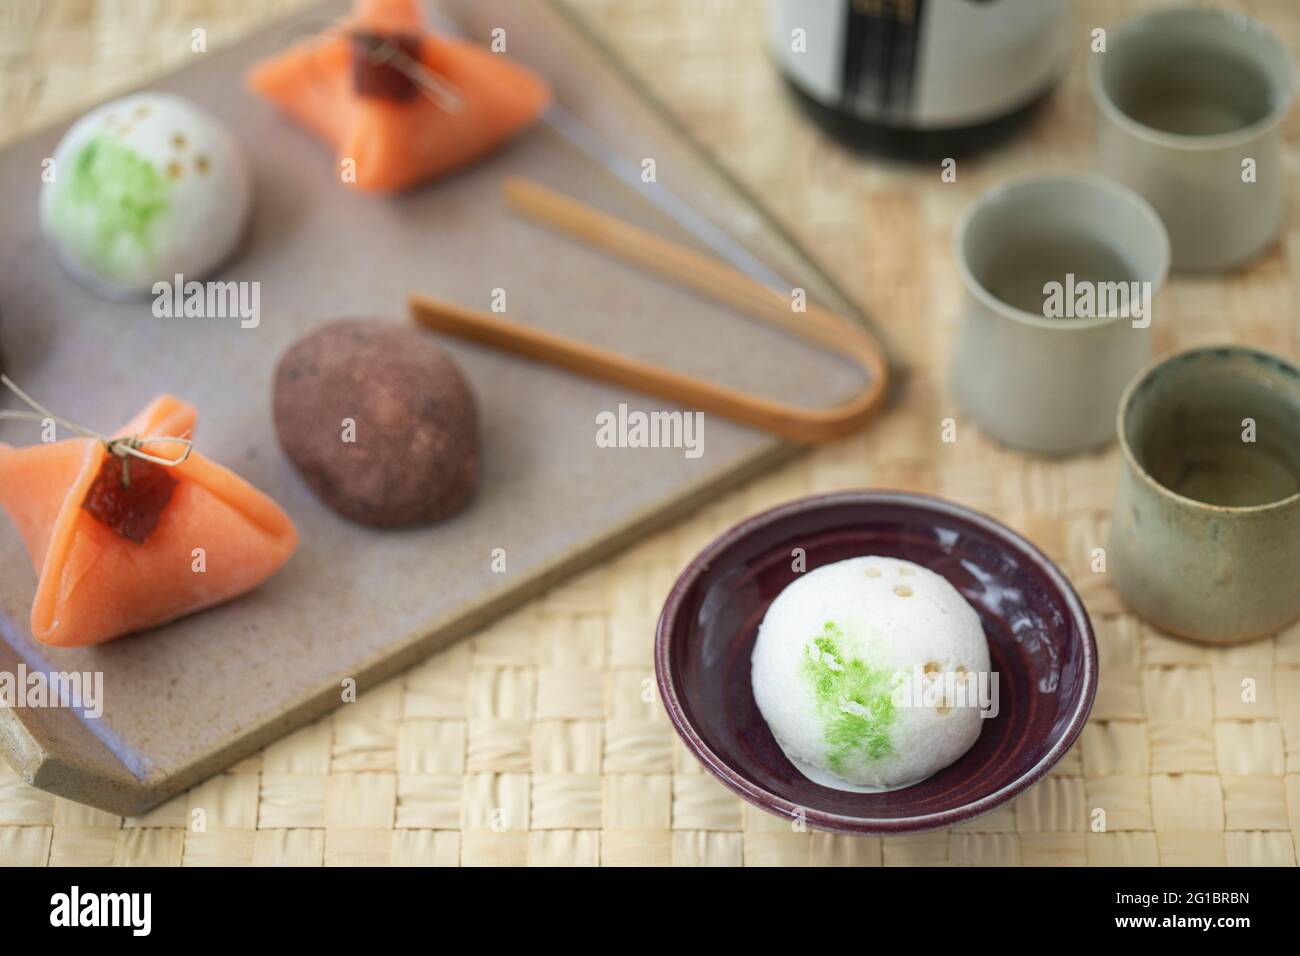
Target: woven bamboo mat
<point x="539" y="740"/>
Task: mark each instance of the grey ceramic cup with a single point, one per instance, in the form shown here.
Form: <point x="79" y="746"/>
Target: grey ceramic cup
<point x="1186" y="96"/>
<point x="1040" y="384"/>
<point x="1205" y="536"/>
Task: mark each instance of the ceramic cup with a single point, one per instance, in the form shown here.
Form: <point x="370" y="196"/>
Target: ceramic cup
<point x="1035" y="370"/>
<point x="1205" y="536"/>
<point x="1189" y="98"/>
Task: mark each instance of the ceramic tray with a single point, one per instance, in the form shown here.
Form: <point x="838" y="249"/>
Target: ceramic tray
<point x="185" y="700"/>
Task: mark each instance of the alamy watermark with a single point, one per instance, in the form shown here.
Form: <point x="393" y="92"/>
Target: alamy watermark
<point x="947" y="691"/>
<point x="133" y="911"/>
<point x="638" y="429"/>
<point x="75" y="690"/>
<point x="1084" y="299"/>
<point x="209" y="300"/>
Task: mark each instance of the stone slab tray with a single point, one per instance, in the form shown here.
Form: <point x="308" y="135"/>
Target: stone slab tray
<point x="185" y="700"/>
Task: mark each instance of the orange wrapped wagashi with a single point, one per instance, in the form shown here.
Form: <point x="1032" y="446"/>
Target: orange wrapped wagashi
<point x="122" y="544"/>
<point x="403" y="104"/>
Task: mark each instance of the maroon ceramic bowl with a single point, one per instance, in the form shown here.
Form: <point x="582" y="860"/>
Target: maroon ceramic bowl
<point x="1040" y="643"/>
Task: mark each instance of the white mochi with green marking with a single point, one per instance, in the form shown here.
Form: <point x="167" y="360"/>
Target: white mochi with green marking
<point x="143" y="189"/>
<point x="829" y="663"/>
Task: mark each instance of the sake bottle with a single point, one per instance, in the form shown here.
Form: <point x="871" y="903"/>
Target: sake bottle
<point x="920" y="79"/>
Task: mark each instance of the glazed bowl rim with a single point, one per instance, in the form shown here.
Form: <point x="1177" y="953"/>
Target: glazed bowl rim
<point x="1146" y="376"/>
<point x="1005" y="189"/>
<point x="765" y="799"/>
<point x="1145" y="24"/>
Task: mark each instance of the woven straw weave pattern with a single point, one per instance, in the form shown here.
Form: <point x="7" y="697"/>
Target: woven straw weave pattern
<point x="539" y="740"/>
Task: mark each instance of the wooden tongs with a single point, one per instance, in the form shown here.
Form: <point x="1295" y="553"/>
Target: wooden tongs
<point x="706" y="276"/>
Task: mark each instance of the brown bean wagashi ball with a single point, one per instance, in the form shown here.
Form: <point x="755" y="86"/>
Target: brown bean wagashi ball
<point x="379" y="421"/>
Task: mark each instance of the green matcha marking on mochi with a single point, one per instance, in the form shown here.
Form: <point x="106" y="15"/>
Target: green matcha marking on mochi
<point x="837" y="681"/>
<point x="127" y="193"/>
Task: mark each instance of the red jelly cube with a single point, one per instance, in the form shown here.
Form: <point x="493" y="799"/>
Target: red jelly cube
<point x="130" y="507"/>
